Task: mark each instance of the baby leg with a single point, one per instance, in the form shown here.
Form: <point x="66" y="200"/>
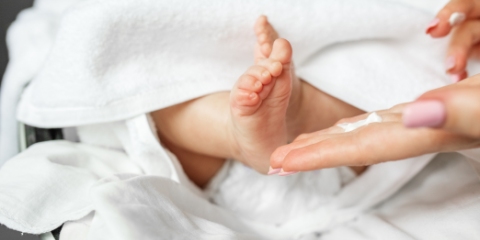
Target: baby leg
<point x="247" y="124"/>
<point x="195" y="132"/>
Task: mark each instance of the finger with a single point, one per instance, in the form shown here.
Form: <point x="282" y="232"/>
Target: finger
<point x="458" y="77"/>
<point x="451" y="15"/>
<point x="342" y="150"/>
<point x="463" y="39"/>
<point x="375" y="144"/>
<point x="277" y="157"/>
<point x="304" y="140"/>
<point x="331" y="130"/>
<point x="352" y="119"/>
<point x="456" y="108"/>
<point x="386" y="115"/>
<point x="398" y="108"/>
<point x="473" y="81"/>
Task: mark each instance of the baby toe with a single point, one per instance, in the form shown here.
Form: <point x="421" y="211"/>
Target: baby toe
<point x="273" y="66"/>
<point x="260" y="24"/>
<point x="260" y="73"/>
<point x="244" y="98"/>
<point x="249" y="83"/>
<point x="262" y="38"/>
<point x="266" y="49"/>
<point x="282" y="51"/>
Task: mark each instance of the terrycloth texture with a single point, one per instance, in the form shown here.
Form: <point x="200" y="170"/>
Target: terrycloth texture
<point x="29" y="41"/>
<point x="110" y="62"/>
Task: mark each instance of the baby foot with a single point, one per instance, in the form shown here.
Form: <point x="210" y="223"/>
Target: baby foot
<point x="258" y="107"/>
<point x="266" y="35"/>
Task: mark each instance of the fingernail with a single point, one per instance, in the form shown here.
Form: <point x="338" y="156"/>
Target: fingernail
<point x="282" y="173"/>
<point x="429" y="113"/>
<point x="432" y="25"/>
<point x="456" y="78"/>
<point x="272" y="171"/>
<point x="450" y="63"/>
<point x="457" y="18"/>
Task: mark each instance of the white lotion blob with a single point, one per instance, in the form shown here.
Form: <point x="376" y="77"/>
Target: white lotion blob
<point x="372" y="118"/>
<point x="456" y="18"/>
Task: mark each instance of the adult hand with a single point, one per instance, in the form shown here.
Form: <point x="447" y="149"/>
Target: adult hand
<point x="463" y="18"/>
<point x="442" y="120"/>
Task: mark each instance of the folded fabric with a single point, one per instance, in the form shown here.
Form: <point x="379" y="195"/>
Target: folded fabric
<point x="113" y="61"/>
<point x="142" y="185"/>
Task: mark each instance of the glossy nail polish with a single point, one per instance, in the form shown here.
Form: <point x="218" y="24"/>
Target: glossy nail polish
<point x="429" y="113"/>
<point x="450" y="63"/>
<point x="282" y="173"/>
<point x="456" y="78"/>
<point x="272" y="171"/>
<point x="432" y="25"/>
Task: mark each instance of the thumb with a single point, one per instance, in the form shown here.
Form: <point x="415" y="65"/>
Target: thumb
<point x="455" y="108"/>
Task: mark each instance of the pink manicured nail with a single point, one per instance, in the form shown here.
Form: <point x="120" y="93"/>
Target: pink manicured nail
<point x="456" y="78"/>
<point x="432" y="25"/>
<point x="429" y="113"/>
<point x="282" y="173"/>
<point x="272" y="171"/>
<point x="450" y="63"/>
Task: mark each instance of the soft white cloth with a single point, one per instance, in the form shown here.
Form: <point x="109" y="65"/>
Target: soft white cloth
<point x="74" y="179"/>
<point x="115" y="60"/>
<point x="130" y="205"/>
<point x="29" y="40"/>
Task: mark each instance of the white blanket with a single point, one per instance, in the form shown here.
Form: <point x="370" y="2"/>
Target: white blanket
<point x="116" y="59"/>
<point x="112" y="61"/>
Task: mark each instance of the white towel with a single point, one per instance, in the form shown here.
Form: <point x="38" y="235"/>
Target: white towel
<point x="29" y="41"/>
<point x="115" y="60"/>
